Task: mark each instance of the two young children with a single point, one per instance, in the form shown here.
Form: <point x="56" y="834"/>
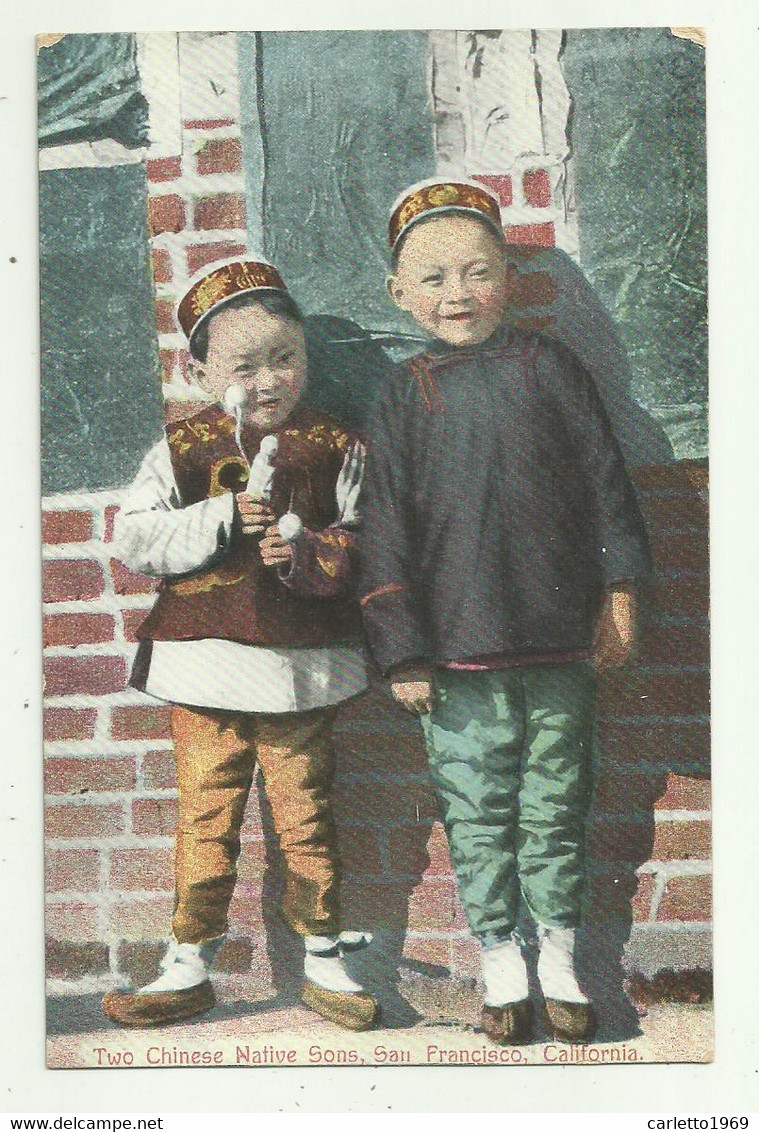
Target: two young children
<point x="500" y="551"/>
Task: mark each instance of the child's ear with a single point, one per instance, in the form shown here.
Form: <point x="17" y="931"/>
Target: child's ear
<point x="197" y="372"/>
<point x="396" y="292"/>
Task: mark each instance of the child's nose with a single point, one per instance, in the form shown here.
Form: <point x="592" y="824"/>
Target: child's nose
<point x="266" y="380"/>
<point x="456" y="289"/>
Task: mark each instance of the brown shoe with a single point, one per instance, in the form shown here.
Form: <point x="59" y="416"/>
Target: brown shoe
<point x="353" y="1011"/>
<point x="509" y="1025"/>
<point x="146" y="1010"/>
<point x="571" y="1021"/>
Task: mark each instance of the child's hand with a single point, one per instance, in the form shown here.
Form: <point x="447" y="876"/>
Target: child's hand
<point x="616" y="629"/>
<point x="275" y="550"/>
<point x="412" y="689"/>
<point x="255" y="515"/>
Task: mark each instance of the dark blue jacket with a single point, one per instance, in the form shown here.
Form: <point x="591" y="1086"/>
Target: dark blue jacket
<point x="496" y="507"/>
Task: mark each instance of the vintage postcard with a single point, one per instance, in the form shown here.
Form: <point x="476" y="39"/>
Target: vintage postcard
<point x="375" y="524"/>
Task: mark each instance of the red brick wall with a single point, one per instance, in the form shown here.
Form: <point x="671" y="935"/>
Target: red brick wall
<point x="111" y="800"/>
<point x="197" y="215"/>
<point x="110" y="789"/>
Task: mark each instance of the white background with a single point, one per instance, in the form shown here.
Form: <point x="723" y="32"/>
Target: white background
<point x="731" y="1084"/>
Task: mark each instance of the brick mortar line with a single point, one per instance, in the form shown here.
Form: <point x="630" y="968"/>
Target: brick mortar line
<point x="127" y="698"/>
<point x="674" y="817"/>
<point x="678" y="869"/>
<point x="186" y="186"/>
<point x="120" y="649"/>
<point x="103" y="723"/>
<point x="653" y="720"/>
<point x="214" y="133"/>
<point x="102" y="912"/>
<point x="109" y="797"/>
<point x="104" y="898"/>
<point x="683" y="768"/>
<point x="93" y="756"/>
<point x="80" y="500"/>
<point x="139" y="774"/>
<point x="105" y="603"/>
<point x="671" y="927"/>
<point x="78" y="551"/>
<point x="107" y="748"/>
<point x="189" y="236"/>
<point x="691" y="867"/>
<point x="660" y="887"/>
<point x="172" y="342"/>
<point x="86" y="984"/>
<point x="108" y="844"/>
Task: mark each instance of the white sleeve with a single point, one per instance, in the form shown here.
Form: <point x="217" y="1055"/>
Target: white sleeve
<point x="154" y="534"/>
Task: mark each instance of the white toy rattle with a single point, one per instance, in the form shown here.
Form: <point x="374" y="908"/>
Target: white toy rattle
<point x="262" y="469"/>
<point x="235" y="399"/>
<point x="261" y="478"/>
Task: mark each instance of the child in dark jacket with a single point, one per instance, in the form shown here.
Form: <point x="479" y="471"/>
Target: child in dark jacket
<point x="501" y="550"/>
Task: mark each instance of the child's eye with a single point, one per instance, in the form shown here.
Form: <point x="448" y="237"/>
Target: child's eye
<point x="285" y="359"/>
<point x="432" y="280"/>
<point x="479" y="273"/>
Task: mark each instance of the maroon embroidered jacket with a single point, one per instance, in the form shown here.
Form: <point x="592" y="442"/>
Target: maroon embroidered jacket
<point x="238" y="598"/>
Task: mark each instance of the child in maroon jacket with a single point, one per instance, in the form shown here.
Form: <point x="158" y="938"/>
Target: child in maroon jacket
<point x="247" y="511"/>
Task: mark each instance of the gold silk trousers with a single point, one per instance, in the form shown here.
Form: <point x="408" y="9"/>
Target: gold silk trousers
<point x="216" y="753"/>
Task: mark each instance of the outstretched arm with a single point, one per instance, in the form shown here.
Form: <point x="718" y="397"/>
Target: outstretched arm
<point x="154" y="534"/>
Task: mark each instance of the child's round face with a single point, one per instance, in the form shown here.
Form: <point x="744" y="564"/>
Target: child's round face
<point x="264" y="353"/>
<point x="452" y="276"/>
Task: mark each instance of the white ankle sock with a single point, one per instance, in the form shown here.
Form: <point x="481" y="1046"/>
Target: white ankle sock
<point x="504" y="973"/>
<point x="556" y="964"/>
<point x="184" y="965"/>
<point x="325" y="966"/>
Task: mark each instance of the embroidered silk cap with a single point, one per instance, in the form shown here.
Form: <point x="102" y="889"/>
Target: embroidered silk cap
<point x="224" y="281"/>
<point x="436" y="196"/>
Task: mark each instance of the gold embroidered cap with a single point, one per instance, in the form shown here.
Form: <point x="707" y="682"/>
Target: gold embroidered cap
<point x="222" y="282"/>
<point x="442" y="196"/>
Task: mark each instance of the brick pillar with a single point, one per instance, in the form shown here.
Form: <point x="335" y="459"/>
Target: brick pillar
<point x="197" y="207"/>
<point x="650" y="836"/>
<point x="501" y="117"/>
<point x="103" y="742"/>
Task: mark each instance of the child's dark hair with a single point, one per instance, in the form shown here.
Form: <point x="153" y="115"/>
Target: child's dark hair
<point x="274" y="302"/>
<point x="396" y="252"/>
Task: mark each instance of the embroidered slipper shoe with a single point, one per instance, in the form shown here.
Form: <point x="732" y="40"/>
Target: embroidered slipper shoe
<point x="181" y="991"/>
<point x="140" y="1011"/>
<point x="329" y="988"/>
<point x="571" y="1021"/>
<point x="509" y="1025"/>
<point x="356" y="1011"/>
<point x="570" y="1015"/>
